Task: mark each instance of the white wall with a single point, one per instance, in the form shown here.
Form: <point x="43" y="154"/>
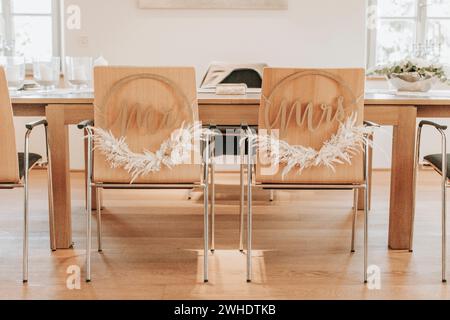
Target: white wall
<point x="319" y="33"/>
<point x="311" y="33"/>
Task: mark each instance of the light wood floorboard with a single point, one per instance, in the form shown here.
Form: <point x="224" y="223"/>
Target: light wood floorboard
<point x="153" y="241"/>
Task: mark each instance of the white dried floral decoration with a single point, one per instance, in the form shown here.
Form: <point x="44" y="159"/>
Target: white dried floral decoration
<point x="349" y="140"/>
<point x="174" y="151"/>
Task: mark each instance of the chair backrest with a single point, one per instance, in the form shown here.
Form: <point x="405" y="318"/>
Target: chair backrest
<point x="145" y="105"/>
<point x="9" y="170"/>
<point x="305" y="107"/>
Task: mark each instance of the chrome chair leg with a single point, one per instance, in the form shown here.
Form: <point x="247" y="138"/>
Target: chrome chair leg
<point x="213" y="207"/>
<point x="366" y="234"/>
<point x="366" y="213"/>
<point x="242" y="203"/>
<point x="444" y="235"/>
<point x="249" y="217"/>
<point x="206" y="211"/>
<point x="25" y="231"/>
<point x="444" y="207"/>
<point x="355" y="218"/>
<point x="272" y="195"/>
<point x="26" y="209"/>
<point x="205" y="235"/>
<point x="99" y="219"/>
<point x="89" y="209"/>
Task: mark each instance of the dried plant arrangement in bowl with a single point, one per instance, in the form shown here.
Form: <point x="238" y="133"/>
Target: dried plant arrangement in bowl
<point x="414" y="75"/>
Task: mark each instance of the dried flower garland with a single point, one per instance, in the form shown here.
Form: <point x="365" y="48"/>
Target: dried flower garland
<point x="349" y="140"/>
<point x="339" y="149"/>
<point x="175" y="151"/>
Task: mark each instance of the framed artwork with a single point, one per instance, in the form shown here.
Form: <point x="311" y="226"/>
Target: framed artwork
<point x="214" y="4"/>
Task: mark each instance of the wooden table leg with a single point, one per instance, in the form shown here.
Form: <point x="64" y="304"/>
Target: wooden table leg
<point x="59" y="146"/>
<point x="402" y="179"/>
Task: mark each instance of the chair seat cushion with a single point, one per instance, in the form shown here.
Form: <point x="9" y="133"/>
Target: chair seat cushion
<point x="33" y="159"/>
<point x="436" y="161"/>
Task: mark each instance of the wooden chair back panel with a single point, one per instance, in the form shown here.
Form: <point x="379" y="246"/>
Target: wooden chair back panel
<point x="304" y="107"/>
<point x="9" y="169"/>
<point x="145" y="105"/>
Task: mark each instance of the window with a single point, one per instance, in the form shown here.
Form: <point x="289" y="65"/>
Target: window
<point x="29" y="28"/>
<point x="418" y="28"/>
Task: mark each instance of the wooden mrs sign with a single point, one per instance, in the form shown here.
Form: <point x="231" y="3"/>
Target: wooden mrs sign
<point x="144" y="105"/>
<point x="306" y="107"/>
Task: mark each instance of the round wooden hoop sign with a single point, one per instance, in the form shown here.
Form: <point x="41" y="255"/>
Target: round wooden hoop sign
<point x="180" y="96"/>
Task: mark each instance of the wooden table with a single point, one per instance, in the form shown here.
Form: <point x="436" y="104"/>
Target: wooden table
<point x="400" y="112"/>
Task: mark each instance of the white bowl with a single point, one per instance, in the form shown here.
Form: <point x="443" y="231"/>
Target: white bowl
<point x="411" y="82"/>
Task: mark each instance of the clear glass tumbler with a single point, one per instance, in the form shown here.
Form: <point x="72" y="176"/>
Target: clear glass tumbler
<point x="15" y="71"/>
<point x="79" y="71"/>
<point x="47" y="72"/>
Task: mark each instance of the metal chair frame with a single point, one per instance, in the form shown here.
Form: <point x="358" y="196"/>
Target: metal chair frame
<point x="251" y="168"/>
<point x="86" y="125"/>
<point x="24" y="183"/>
<point x="444" y="183"/>
<point x="242" y="166"/>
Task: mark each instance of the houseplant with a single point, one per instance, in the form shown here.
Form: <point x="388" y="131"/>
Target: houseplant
<point x="416" y="75"/>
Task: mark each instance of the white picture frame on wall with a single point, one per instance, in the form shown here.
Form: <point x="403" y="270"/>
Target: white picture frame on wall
<point x="214" y="4"/>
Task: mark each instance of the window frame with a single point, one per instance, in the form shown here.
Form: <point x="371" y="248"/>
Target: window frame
<point x="421" y="20"/>
<point x="56" y="24"/>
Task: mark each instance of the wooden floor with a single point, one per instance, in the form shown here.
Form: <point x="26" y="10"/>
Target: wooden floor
<point x="153" y="241"/>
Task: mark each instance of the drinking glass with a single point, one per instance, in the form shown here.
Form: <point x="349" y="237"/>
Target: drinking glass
<point x="15" y="71"/>
<point x="79" y="71"/>
<point x="47" y="72"/>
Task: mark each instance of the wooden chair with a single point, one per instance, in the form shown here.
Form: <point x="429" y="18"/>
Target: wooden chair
<point x="305" y="107"/>
<point x="15" y="168"/>
<point x="145" y="106"/>
<point x="441" y="164"/>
